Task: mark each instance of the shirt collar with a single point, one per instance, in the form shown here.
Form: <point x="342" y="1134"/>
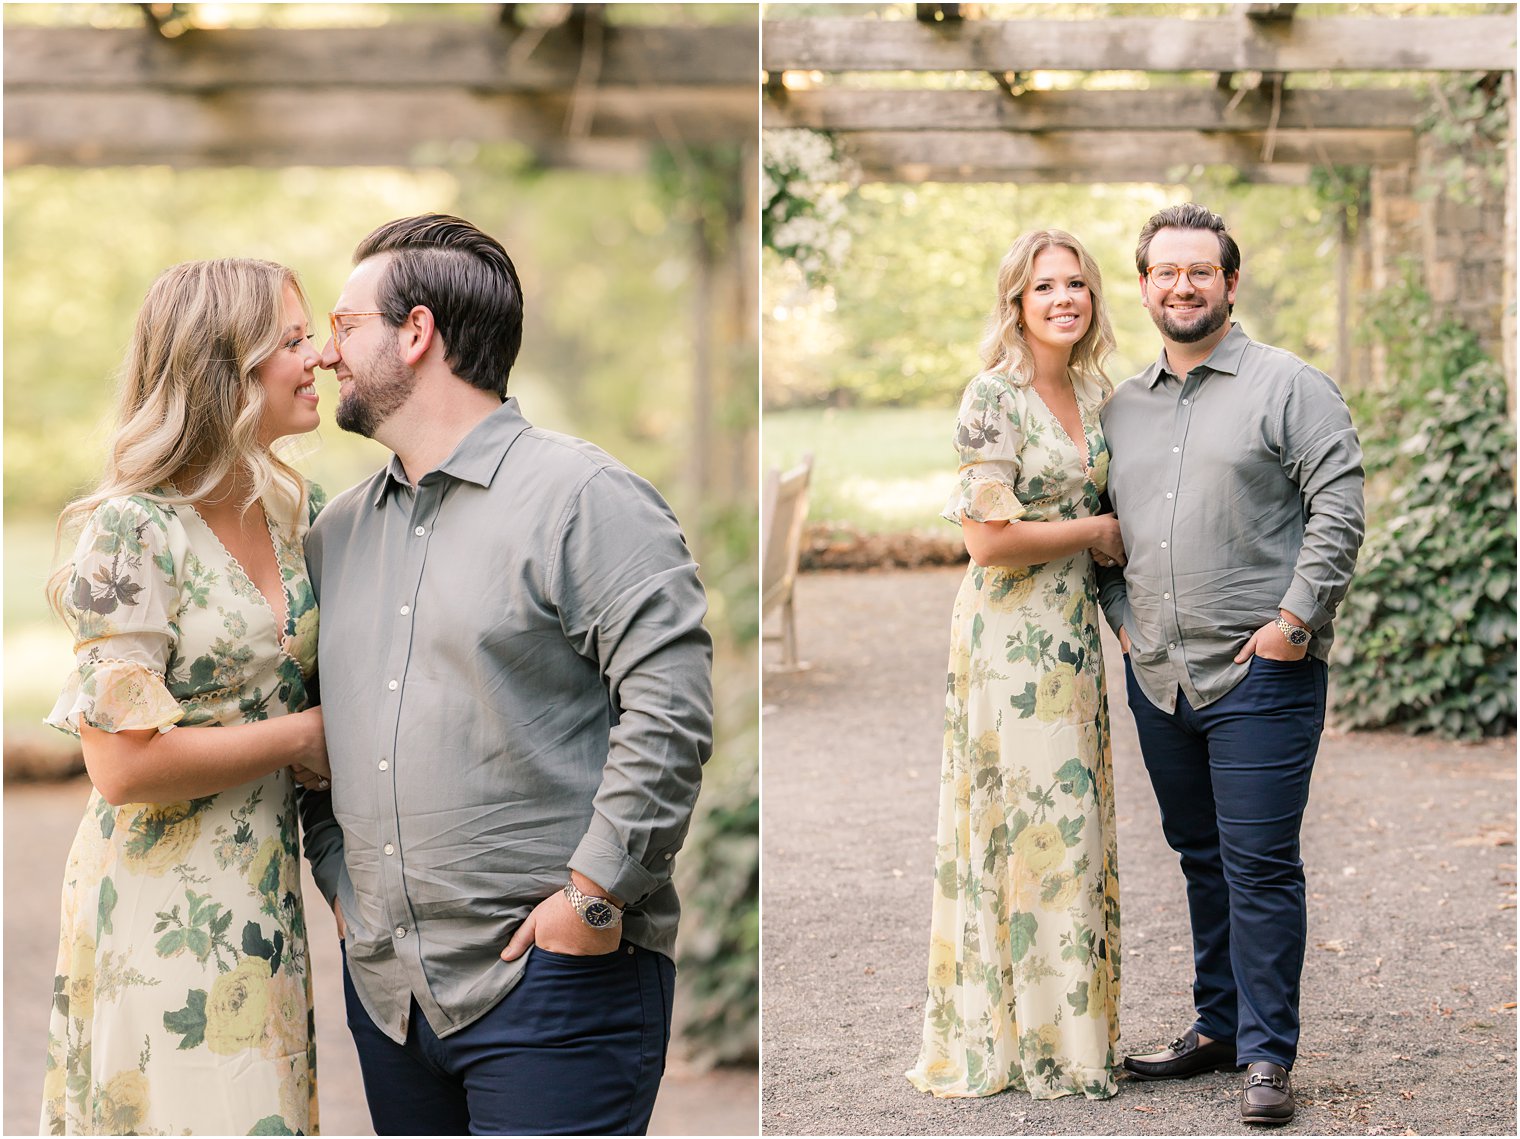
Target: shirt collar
<point x="1226" y="357"/>
<point x="476" y="458"/>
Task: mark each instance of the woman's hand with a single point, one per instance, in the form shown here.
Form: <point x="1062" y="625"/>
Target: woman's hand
<point x="310" y="767"/>
<point x="1107" y="546"/>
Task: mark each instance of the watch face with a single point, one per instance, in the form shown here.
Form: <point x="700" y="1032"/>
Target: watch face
<point x="599" y="914"/>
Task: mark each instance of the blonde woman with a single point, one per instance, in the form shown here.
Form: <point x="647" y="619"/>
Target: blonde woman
<point x="1024" y="938"/>
<point x="182" y="1001"/>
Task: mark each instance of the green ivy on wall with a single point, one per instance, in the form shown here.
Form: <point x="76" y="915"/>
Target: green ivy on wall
<point x="1427" y="638"/>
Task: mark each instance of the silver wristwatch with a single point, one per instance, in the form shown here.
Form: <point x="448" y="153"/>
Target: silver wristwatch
<point x="1295" y="635"/>
<point x="596" y="912"/>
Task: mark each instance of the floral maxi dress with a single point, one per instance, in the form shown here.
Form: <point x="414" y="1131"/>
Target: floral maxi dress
<point x="182" y="1001"/>
<point x="1024" y="939"/>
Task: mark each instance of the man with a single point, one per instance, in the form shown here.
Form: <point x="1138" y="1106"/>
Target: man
<point x="1236" y="475"/>
<point x="517" y="696"/>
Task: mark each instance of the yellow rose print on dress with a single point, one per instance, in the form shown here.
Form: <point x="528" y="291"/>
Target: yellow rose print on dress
<point x="1084" y="702"/>
<point x="162" y="836"/>
<point x="285" y="1032"/>
<point x="124" y="1103"/>
<point x="1049" y="1037"/>
<point x="1040" y="848"/>
<point x="295" y="1094"/>
<point x="1008" y="590"/>
<point x="238" y="1007"/>
<point x="302" y="644"/>
<point x="941" y="962"/>
<point x="1059" y="891"/>
<point x="1097" y="993"/>
<point x="960" y="674"/>
<point x="1056" y="691"/>
<point x="986" y="751"/>
<point x="1099" y="473"/>
<point x="81" y="988"/>
<point x="54" y="1084"/>
<point x="264" y="871"/>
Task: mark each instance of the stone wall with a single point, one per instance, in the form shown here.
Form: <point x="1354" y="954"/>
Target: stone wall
<point x="1466" y="248"/>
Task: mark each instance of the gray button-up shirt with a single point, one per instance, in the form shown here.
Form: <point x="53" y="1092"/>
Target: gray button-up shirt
<point x="1239" y="491"/>
<point x="515" y="683"/>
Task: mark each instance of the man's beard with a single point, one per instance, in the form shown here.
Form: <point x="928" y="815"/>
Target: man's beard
<point x="376" y="395"/>
<point x="1212" y="320"/>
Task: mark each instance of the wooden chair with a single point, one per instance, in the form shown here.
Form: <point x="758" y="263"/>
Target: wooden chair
<point x="783" y="511"/>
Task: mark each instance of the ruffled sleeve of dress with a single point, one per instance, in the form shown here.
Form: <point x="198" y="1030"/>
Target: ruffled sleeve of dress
<point x="121" y="600"/>
<point x="989" y="437"/>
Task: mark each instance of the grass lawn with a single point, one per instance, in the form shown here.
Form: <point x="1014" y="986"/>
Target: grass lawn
<point x="882" y="470"/>
<point x="37" y="646"/>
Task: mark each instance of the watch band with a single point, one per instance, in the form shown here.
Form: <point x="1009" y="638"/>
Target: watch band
<point x="1295" y="635"/>
<point x="598" y="913"/>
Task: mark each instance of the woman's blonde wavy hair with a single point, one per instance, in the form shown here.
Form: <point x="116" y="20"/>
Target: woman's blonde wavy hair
<point x="188" y="402"/>
<point x="1004" y="348"/>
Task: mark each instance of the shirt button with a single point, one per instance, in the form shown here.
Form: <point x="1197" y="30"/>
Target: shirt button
<point x="1168" y="494"/>
<point x="1164" y="597"/>
<point x="1173" y="645"/>
<point x="1163" y="546"/>
<point x="1184" y="403"/>
<point x="420" y="531"/>
<point x="385" y="765"/>
<point x="388" y="848"/>
<point x="668" y="857"/>
<point x="1176" y="449"/>
<point x="401" y="931"/>
<point x="405" y="609"/>
<point x="393" y="686"/>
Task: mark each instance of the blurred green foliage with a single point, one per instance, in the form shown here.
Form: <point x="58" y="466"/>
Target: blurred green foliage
<point x="901" y="323"/>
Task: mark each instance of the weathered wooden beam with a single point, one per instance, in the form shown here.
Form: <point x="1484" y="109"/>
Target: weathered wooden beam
<point x="361" y="128"/>
<point x="1124" y="43"/>
<point x="1198" y="108"/>
<point x="1099" y="151"/>
<point x="483" y="57"/>
<point x="914" y="173"/>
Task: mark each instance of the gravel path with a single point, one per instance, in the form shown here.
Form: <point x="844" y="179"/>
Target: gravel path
<point x="40" y="820"/>
<point x="1409" y="985"/>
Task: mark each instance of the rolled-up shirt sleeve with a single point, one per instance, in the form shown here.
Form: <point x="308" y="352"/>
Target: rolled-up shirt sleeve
<point x="1321" y="455"/>
<point x="629" y="598"/>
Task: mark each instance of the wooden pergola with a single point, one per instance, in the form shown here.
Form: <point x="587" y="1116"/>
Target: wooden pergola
<point x="1250" y="116"/>
<point x="585" y="92"/>
<point x="1260" y="90"/>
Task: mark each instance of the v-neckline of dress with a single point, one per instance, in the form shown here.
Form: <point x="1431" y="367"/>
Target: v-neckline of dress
<point x="280" y="628"/>
<point x="1084" y="453"/>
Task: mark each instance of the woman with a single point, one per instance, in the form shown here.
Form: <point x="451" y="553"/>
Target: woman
<point x="182" y="1002"/>
<point x="1023" y="958"/>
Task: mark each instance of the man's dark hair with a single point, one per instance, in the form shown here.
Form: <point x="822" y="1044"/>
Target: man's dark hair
<point x="465" y="279"/>
<point x="1190" y="215"/>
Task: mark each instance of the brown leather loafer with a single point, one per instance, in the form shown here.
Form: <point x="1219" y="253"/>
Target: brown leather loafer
<point x="1184" y="1057"/>
<point x="1267" y="1096"/>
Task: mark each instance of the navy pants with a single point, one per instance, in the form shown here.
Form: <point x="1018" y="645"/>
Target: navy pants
<point x="576" y="1048"/>
<point x="1232" y="780"/>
